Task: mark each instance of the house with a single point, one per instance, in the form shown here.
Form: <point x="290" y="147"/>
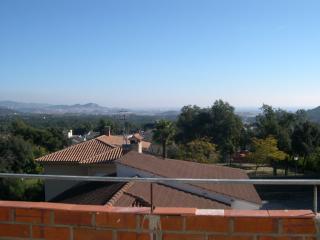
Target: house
<point x="94" y="157"/>
<point x="91" y="158"/>
<point x="75" y="139"/>
<point x="137" y="194"/>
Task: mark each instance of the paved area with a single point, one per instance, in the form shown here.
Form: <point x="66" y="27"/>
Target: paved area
<point x="286" y="197"/>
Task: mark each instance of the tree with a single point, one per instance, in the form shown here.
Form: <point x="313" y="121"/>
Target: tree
<point x="50" y="138"/>
<point x="280" y="124"/>
<point x="315" y="159"/>
<point x="16" y="156"/>
<point x="225" y="128"/>
<point x="82" y="129"/>
<point x="265" y="151"/>
<point x="101" y="125"/>
<point x="219" y="124"/>
<point x="187" y="124"/>
<point x="266" y="122"/>
<point x="163" y="134"/>
<point x="305" y="139"/>
<point x="201" y="150"/>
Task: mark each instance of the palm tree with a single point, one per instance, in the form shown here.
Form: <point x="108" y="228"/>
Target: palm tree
<point x="163" y="134"/>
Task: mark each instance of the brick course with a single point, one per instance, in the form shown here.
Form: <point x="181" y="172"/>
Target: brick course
<point x="207" y="224"/>
<point x="73" y="218"/>
<point x="47" y="221"/>
<point x="91" y="234"/>
<point x="50" y="233"/>
<point x="32" y="216"/>
<point x="5" y="214"/>
<point x="116" y="220"/>
<point x="14" y="230"/>
<point x="255" y="225"/>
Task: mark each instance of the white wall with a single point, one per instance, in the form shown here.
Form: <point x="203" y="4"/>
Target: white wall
<point x="101" y="169"/>
<point x="56" y="187"/>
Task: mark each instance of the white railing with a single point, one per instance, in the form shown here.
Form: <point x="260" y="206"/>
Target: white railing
<point x="306" y="182"/>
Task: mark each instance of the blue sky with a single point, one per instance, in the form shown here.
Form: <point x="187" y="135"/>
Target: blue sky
<point x="164" y="53"/>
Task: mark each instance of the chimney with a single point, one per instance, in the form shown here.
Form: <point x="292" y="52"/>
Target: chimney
<point x="136" y="146"/>
<point x="70" y="134"/>
<point x="139" y="147"/>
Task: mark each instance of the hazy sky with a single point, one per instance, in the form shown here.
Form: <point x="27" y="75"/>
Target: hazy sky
<point x="160" y="53"/>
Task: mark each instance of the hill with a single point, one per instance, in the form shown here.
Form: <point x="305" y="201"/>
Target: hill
<point x="43" y="108"/>
<point x="314" y="114"/>
<point x="20" y="106"/>
<point x="83" y="109"/>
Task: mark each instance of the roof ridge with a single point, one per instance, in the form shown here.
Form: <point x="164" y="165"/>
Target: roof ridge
<point x="64" y="149"/>
<point x="87" y="146"/>
<point x="119" y="193"/>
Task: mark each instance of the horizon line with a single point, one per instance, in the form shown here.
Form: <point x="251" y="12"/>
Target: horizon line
<point x="165" y="107"/>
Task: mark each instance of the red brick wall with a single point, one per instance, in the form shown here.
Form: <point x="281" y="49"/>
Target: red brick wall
<point x="22" y="220"/>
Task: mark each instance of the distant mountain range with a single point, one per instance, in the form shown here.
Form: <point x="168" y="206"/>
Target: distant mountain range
<point x="89" y="109"/>
<point x="42" y="108"/>
<point x="13" y="107"/>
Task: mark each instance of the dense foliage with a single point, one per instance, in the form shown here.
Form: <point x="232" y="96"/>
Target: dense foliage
<point x="20" y="144"/>
<point x="199" y="150"/>
<point x="17" y="156"/>
<point x="295" y="134"/>
<point x="275" y="138"/>
<point x="217" y="125"/>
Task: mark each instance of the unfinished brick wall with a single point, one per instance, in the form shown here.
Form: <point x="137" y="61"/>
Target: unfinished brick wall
<point x="22" y="220"/>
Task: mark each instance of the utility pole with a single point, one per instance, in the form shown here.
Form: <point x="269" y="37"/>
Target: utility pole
<point x="123" y="118"/>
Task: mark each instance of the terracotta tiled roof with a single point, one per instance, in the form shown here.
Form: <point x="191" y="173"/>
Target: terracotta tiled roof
<point x="89" y="152"/>
<point x="92" y="193"/>
<point x="115" y="140"/>
<point x="134" y="194"/>
<point x="185" y="169"/>
<point x="119" y="140"/>
<point x="107" y="156"/>
<point x="137" y="194"/>
<point x="119" y="193"/>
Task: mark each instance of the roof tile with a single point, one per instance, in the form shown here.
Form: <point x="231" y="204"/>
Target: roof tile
<point x="89" y="152"/>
